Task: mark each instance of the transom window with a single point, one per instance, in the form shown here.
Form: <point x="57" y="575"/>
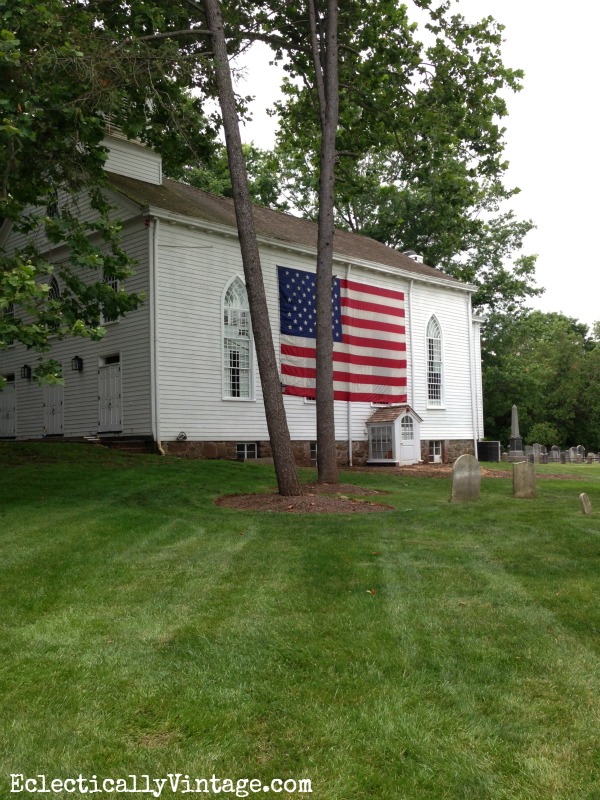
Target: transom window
<point x="434" y="363"/>
<point x="237" y="342"/>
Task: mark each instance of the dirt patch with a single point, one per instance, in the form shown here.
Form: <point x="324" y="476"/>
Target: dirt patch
<point x="445" y="471"/>
<point x="317" y="499"/>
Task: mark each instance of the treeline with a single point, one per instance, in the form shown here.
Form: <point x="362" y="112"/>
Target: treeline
<point x="549" y="366"/>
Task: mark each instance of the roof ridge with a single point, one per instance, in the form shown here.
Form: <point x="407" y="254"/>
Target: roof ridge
<point x="282" y="226"/>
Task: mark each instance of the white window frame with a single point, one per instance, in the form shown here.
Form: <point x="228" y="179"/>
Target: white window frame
<point x="373" y="427"/>
<point x="226" y="384"/>
<point x="435" y="451"/>
<point x="407" y="426"/>
<point x="433" y="402"/>
<point x="243" y="448"/>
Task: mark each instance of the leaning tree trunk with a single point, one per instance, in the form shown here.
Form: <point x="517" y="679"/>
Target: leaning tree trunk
<point x="283" y="457"/>
<point x="325" y="59"/>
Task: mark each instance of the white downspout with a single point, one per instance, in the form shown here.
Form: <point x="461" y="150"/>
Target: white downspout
<point x="350" y="463"/>
<point x="154" y="390"/>
<point x="412" y="347"/>
<point x="473" y="378"/>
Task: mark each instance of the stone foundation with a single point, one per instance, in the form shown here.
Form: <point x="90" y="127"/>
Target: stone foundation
<point x="451" y="450"/>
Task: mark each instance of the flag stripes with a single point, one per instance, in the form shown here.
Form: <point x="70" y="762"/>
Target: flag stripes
<point x="369" y="338"/>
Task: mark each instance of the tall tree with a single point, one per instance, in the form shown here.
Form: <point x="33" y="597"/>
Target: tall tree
<point x="283" y="456"/>
<point x="418" y="151"/>
<point x="324" y="47"/>
<point x="420" y="161"/>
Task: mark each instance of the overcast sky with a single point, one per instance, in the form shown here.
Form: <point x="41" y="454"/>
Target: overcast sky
<point x="552" y="139"/>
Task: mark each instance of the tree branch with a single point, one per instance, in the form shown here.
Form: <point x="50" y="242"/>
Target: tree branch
<point x="167" y="35"/>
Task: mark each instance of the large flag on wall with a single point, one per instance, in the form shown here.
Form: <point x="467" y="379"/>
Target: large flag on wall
<point x="369" y="338"/>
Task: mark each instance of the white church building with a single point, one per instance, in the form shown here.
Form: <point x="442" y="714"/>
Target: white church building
<point x="180" y="372"/>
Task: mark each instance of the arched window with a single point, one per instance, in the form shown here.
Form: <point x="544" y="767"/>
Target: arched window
<point x="9" y="314"/>
<point x="54" y="293"/>
<point x="237" y="342"/>
<point x="434" y="364"/>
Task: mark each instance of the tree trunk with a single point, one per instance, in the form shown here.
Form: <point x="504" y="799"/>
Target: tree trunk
<point x="285" y="467"/>
<point x="325" y="59"/>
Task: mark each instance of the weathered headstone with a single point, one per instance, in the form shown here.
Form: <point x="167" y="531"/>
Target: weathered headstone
<point x="538" y="451"/>
<point x="466" y="479"/>
<point x="586" y="506"/>
<point x="524" y="479"/>
<point x="516" y="441"/>
<point x="580" y="453"/>
<point x="554" y="454"/>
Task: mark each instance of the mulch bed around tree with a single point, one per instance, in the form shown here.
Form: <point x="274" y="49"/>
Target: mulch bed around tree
<point x="317" y="499"/>
<point x="341" y="498"/>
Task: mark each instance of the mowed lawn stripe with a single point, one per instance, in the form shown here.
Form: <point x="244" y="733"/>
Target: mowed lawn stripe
<point x="420" y="653"/>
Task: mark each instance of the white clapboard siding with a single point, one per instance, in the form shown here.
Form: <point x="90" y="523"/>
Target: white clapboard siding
<point x="132" y="159"/>
<point x="454" y="420"/>
<point x="125" y="157"/>
<point x="130" y="337"/>
<point x="194" y="269"/>
<point x="123" y="209"/>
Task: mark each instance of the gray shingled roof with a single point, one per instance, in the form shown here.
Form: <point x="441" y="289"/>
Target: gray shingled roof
<point x="391" y="413"/>
<point x="189" y="201"/>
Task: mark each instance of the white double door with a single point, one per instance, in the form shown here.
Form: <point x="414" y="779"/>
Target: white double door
<point x="8" y="411"/>
<point x="54" y="410"/>
<point x="109" y="399"/>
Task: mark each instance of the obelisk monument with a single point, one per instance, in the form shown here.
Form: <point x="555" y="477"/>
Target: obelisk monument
<point x="515" y="449"/>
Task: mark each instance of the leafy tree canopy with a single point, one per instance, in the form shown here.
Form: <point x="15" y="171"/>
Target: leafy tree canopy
<point x="65" y="75"/>
<point x="420" y="147"/>
<point x="549" y="366"/>
<point x="263" y="176"/>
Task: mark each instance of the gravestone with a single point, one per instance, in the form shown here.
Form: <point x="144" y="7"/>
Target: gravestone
<point x="586" y="506"/>
<point x="524" y="479"/>
<point x="580" y="453"/>
<point x="554" y="454"/>
<point x="466" y="479"/>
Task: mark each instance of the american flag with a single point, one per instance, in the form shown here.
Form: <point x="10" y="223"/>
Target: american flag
<point x="369" y="338"/>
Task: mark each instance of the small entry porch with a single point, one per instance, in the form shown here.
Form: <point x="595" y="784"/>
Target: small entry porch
<point x="394" y="436"/>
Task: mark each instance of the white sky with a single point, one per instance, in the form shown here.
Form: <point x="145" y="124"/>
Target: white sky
<point x="552" y="140"/>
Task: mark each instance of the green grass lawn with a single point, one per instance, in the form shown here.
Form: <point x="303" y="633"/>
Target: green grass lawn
<point x="145" y="630"/>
